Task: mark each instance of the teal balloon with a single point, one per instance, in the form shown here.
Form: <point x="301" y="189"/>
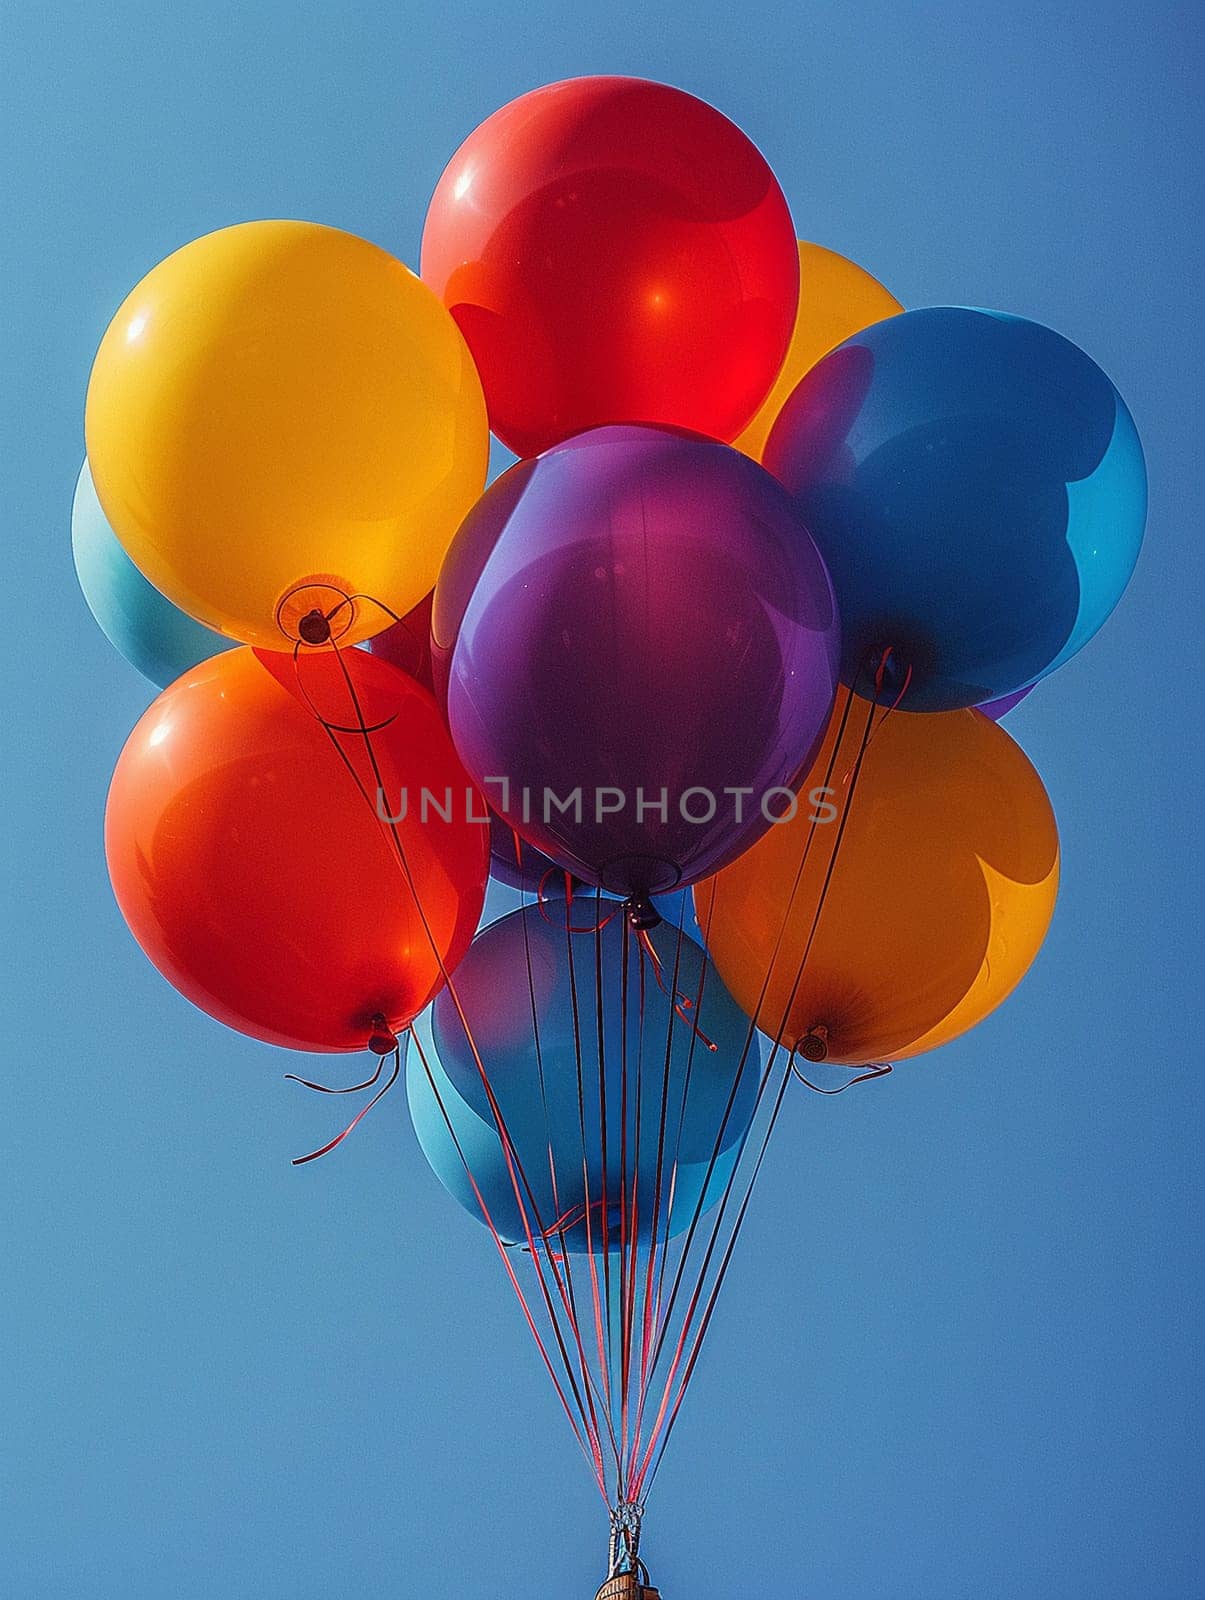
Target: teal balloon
<point x="152" y="634"/>
<point x="630" y="1123"/>
<point x="976" y="486"/>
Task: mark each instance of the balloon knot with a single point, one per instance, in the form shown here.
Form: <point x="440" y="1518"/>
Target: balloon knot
<point x="314" y="627"/>
<point x="814" y="1044"/>
<point x="642" y="914"/>
<point x="382" y="1041"/>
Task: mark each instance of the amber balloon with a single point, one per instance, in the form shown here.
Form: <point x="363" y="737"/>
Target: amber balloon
<point x="248" y="855"/>
<point x="942" y="860"/>
<point x="837" y="298"/>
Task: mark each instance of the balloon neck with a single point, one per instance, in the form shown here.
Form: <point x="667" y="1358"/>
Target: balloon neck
<point x="814" y="1044"/>
<point x="889" y="668"/>
<point x="314" y="628"/>
<point x="382" y="1041"/>
<point x="317" y="610"/>
<point x="642" y="914"/>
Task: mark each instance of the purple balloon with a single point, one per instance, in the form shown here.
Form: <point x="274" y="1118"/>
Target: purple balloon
<point x="995" y="709"/>
<point x="639" y="645"/>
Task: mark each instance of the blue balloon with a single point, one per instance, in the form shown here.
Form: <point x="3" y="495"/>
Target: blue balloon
<point x="977" y="489"/>
<point x="669" y="1105"/>
<point x="151" y="633"/>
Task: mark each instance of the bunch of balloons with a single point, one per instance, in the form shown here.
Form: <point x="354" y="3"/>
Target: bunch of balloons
<point x="770" y="540"/>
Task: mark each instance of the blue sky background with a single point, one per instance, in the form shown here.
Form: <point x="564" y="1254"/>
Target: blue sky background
<point x="959" y="1350"/>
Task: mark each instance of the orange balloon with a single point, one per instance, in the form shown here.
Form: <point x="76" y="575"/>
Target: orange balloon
<point x="258" y="877"/>
<point x="837" y="299"/>
<point x="944" y="863"/>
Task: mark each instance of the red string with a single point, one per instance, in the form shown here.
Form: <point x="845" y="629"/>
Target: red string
<point x="513" y="1165"/>
<point x="659" y="1438"/>
<point x="594" y="1453"/>
<point x="543" y="902"/>
<point x="300" y="1161"/>
<point x="682" y="1002"/>
<point x="878" y="1071"/>
<point x="325" y="1088"/>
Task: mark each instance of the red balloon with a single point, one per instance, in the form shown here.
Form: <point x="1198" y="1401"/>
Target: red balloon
<point x="407" y="643"/>
<point x="614" y="250"/>
<point x="258" y="877"/>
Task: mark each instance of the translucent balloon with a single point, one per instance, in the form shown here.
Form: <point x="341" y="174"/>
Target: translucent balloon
<point x="639" y="644"/>
<point x="614" y="250"/>
<point x="609" y="1098"/>
<point x="944" y="860"/>
<point x="258" y="877"/>
<point x="837" y="298"/>
<point x="151" y="633"/>
<point x="976" y="486"/>
<point x="282" y="416"/>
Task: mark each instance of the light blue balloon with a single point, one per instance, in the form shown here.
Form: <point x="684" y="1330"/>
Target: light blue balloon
<point x="683" y="1113"/>
<point x="152" y="634"/>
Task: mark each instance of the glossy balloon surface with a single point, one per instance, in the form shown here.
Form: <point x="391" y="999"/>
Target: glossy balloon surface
<point x="638" y="611"/>
<point x="605" y="1104"/>
<point x="976" y="486"/>
<point x="255" y="874"/>
<point x="614" y="250"/>
<point x="943" y="884"/>
<point x="277" y="405"/>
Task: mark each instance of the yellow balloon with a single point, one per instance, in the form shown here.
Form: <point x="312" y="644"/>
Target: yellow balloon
<point x="837" y="299"/>
<point x="282" y="415"/>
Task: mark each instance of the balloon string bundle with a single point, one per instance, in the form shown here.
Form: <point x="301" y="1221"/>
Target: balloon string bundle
<point x="542" y="901"/>
<point x="640" y="924"/>
<point x="880" y="667"/>
<point x="623" y="1401"/>
<point x="659" y="1443"/>
<point x="651" y="1302"/>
